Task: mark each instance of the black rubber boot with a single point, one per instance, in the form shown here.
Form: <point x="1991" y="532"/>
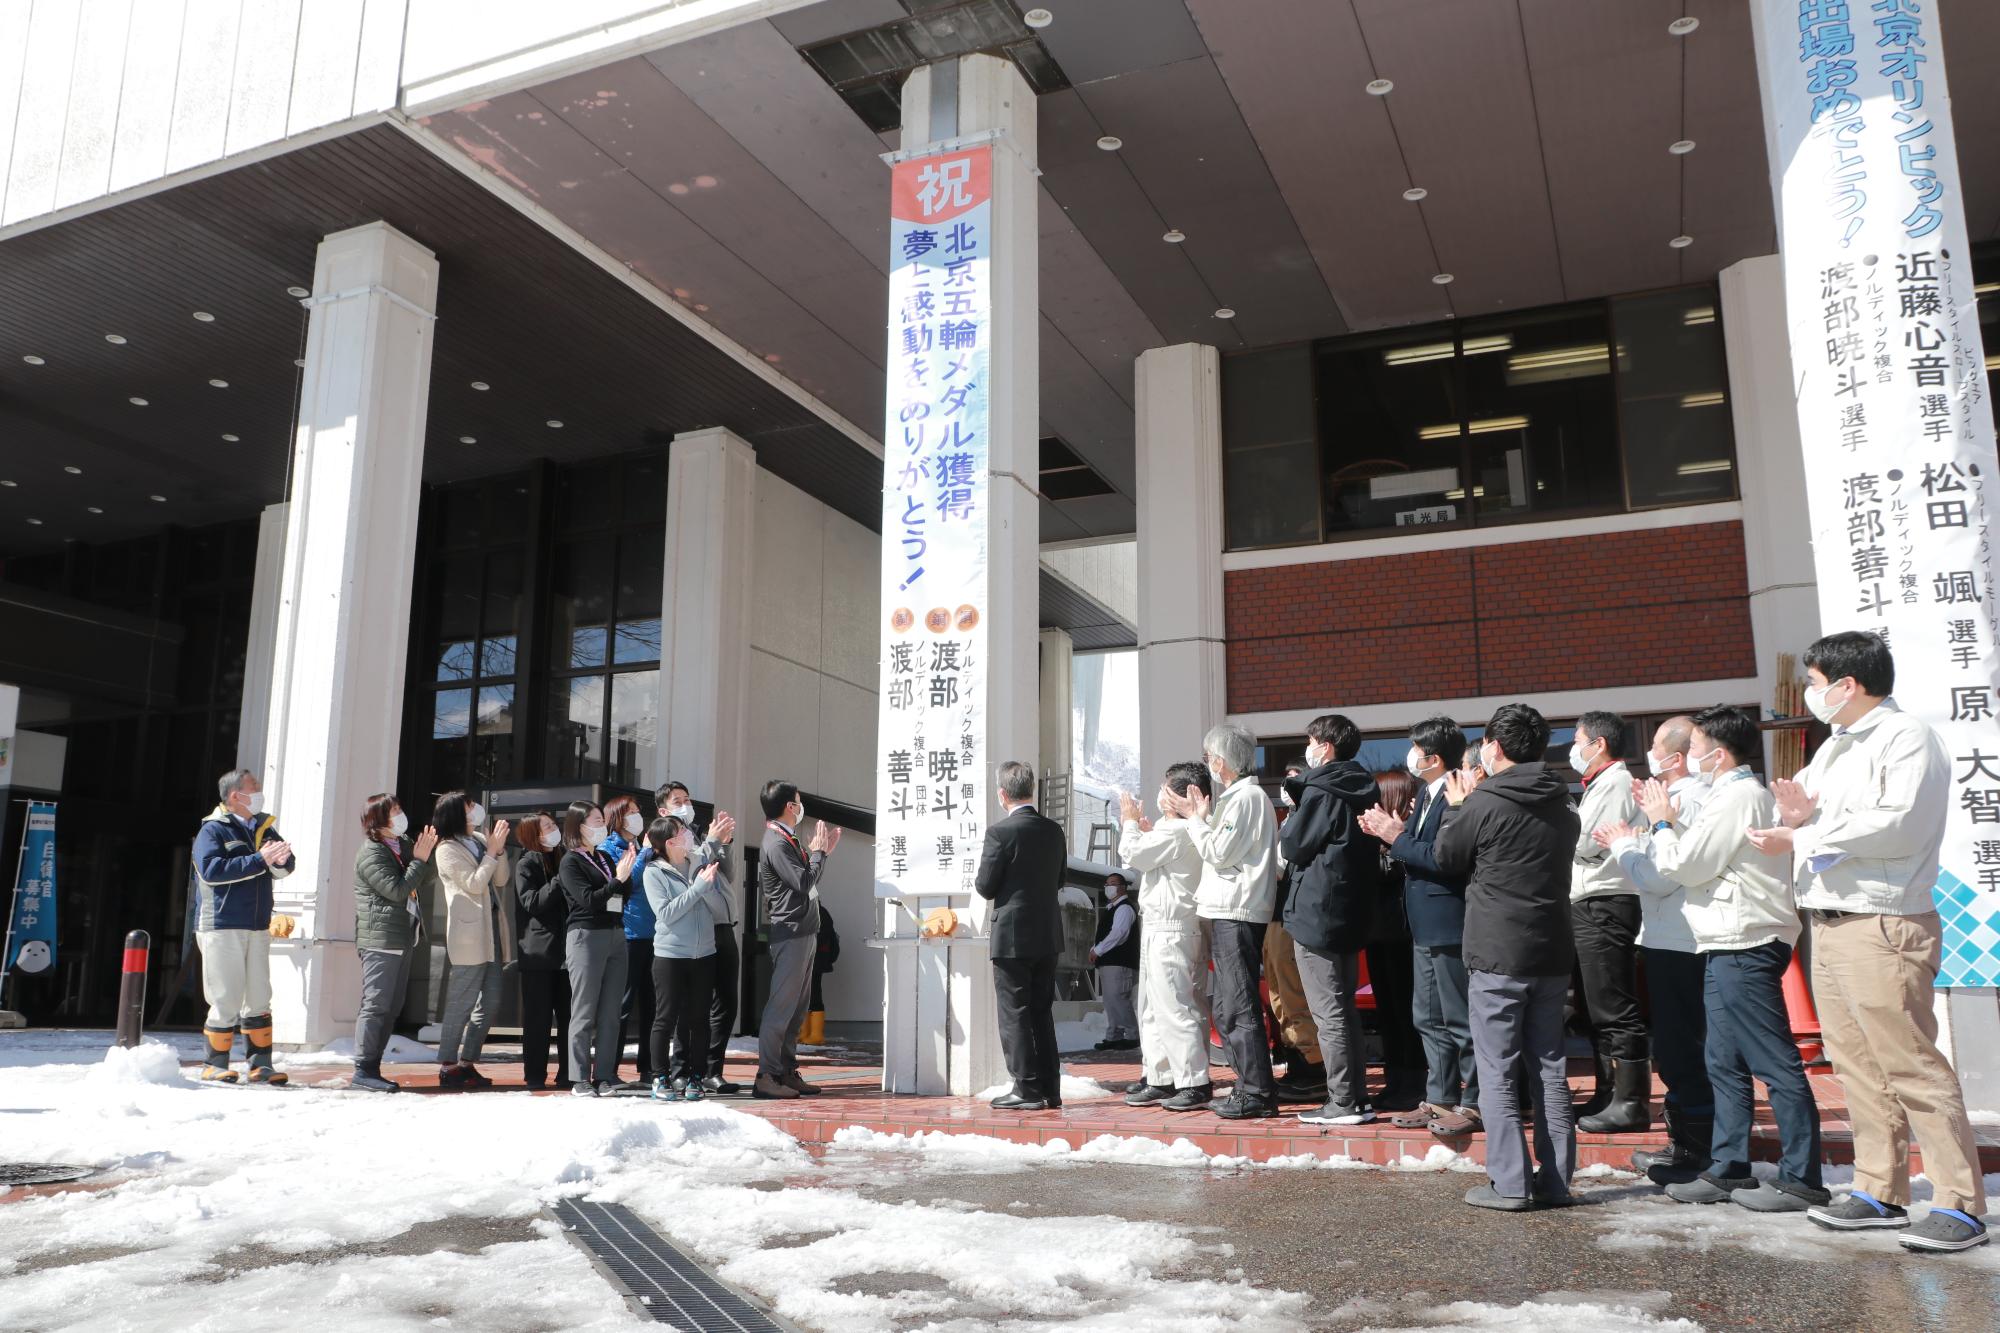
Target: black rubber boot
<point x="1600" y="1094"/>
<point x="1686" y="1154"/>
<point x="1631" y="1108"/>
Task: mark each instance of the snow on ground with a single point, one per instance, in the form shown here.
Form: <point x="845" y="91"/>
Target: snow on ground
<point x="1083" y="1034"/>
<point x="1555" y="1312"/>
<point x="976" y="1152"/>
<point x="1075" y="1088"/>
<point x="340" y="1051"/>
<point x="266" y="1207"/>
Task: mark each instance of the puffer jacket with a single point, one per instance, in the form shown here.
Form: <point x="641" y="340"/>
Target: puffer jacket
<point x="387" y="883"/>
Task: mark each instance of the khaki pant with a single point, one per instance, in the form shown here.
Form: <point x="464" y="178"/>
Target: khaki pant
<point x="1872" y="980"/>
<point x="1288" y="994"/>
<point x="235" y="975"/>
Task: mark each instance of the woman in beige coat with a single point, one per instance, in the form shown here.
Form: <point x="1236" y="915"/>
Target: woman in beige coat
<point x="479" y="939"/>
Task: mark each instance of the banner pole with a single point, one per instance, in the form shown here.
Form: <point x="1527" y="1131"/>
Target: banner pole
<point x="14" y="900"/>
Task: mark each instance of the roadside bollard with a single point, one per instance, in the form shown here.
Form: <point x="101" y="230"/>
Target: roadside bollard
<point x="132" y="989"/>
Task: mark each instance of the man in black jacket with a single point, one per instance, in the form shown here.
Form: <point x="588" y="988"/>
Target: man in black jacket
<point x="1514" y="836"/>
<point x="788" y="880"/>
<point x="1021" y="873"/>
<point x="1336" y="872"/>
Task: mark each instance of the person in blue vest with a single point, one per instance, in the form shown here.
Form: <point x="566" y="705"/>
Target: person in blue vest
<point x="238" y="858"/>
<point x="1116" y="957"/>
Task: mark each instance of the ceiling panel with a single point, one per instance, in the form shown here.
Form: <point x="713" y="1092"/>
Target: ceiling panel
<point x="1089" y="622"/>
<point x="1100" y="39"/>
<point x="1726" y="180"/>
<point x="834" y="18"/>
<point x="1464" y="113"/>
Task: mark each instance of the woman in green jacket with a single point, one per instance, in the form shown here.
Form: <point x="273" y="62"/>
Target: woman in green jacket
<point x="389" y="870"/>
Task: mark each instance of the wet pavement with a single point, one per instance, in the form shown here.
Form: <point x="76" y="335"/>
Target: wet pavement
<point x="1387" y="1249"/>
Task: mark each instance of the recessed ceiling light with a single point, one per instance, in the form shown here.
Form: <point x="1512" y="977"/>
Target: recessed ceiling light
<point x="116" y="340"/>
<point x="157" y="499"/>
<point x="1681" y="242"/>
<point x="553" y="424"/>
<point x="218" y="384"/>
<point x="1038" y="18"/>
<point x="1174" y="236"/>
<point x="297" y="291"/>
<point x="1110" y="143"/>
<point x="481" y="385"/>
<point x="299" y="361"/>
<point x="1378" y="87"/>
<point x="1681" y="146"/>
<point x="136" y="401"/>
<point x="1441" y="279"/>
<point x="1415" y="193"/>
<point x="232" y="438"/>
<point x="34" y="522"/>
<point x="204" y="317"/>
<point x="1683" y="25"/>
<point x="34" y="360"/>
<point x="92" y="509"/>
<point x="467" y="439"/>
<point x="1225" y="313"/>
<point x="10" y="485"/>
<point x="72" y="469"/>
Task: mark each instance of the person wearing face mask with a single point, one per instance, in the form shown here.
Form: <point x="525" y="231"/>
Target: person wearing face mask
<point x="1297" y="1045"/>
<point x="683" y="881"/>
<point x="1864" y="823"/>
<point x="1116" y="958"/>
<point x="625" y="827"/>
<point x="541" y="916"/>
<point x="1514" y="838"/>
<point x="674" y="801"/>
<point x="478" y="933"/>
<point x="1021" y="867"/>
<point x="1667" y="764"/>
<point x="1434" y="901"/>
<point x="595" y="885"/>
<point x="1173" y="960"/>
<point x="788" y="876"/>
<point x="390" y="871"/>
<point x="1606" y="917"/>
<point x="238" y="858"/>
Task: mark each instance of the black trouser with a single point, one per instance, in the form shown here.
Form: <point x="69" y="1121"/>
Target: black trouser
<point x="1024" y="992"/>
<point x="544" y="994"/>
<point x="680" y="989"/>
<point x="722" y="1003"/>
<point x="635" y="1010"/>
<point x="1237" y="949"/>
<point x="1607" y="931"/>
<point x="1392" y="976"/>
<point x="1674" y="987"/>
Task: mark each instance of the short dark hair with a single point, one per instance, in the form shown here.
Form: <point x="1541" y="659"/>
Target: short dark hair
<point x="1855" y="653"/>
<point x="449" y="815"/>
<point x="573" y="820"/>
<point x="660" y="796"/>
<point x="615" y="811"/>
<point x="1520" y="731"/>
<point x="777" y="794"/>
<point x="1017" y="781"/>
<point x="1603" y="725"/>
<point x="1118" y="875"/>
<point x="1731" y="728"/>
<point x="376" y="812"/>
<point x="1181" y="776"/>
<point x="1442" y="737"/>
<point x="661" y="832"/>
<point x="1337" y="731"/>
<point x="528" y="835"/>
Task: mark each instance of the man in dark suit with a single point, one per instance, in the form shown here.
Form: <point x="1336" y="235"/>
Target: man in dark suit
<point x="1434" y="901"/>
<point x="1021" y="874"/>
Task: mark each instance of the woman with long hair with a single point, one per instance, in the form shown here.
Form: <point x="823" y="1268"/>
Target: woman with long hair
<point x="389" y="873"/>
<point x="625" y="826"/>
<point x="541" y="917"/>
<point x="478" y="935"/>
<point x="686" y="891"/>
<point x="1392" y="967"/>
<point x="595" y="885"/>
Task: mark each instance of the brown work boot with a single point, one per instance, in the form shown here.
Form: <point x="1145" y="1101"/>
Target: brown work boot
<point x="767" y="1088"/>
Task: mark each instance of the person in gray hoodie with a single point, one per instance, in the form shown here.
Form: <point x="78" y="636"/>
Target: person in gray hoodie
<point x="1513" y="838"/>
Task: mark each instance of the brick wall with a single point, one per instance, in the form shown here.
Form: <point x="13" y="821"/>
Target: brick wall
<point x="1633" y="608"/>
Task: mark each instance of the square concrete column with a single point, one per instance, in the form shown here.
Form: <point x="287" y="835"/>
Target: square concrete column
<point x="334" y="724"/>
<point x="939" y="1028"/>
<point x="705" y="606"/>
<point x="261" y="643"/>
<point x="1179" y="441"/>
<point x="1058" y="670"/>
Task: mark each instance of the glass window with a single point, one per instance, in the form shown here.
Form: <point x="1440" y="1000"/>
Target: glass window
<point x="1389" y="418"/>
<point x="500" y="616"/>
<point x="575" y="735"/>
<point x="457" y="618"/>
<point x="635" y="716"/>
<point x="635" y="635"/>
<point x="1541" y="417"/>
<point x="580" y="603"/>
<point x="1673" y="399"/>
<point x="1270" y="458"/>
<point x="493" y="739"/>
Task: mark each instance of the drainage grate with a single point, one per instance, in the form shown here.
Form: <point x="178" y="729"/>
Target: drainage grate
<point x="658" y="1277"/>
<point x="40" y="1173"/>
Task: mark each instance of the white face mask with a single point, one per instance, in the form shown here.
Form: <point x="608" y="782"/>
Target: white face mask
<point x="593" y="834"/>
<point x="1414" y="762"/>
<point x="1654" y="764"/>
<point x="1485" y="764"/>
<point x="253" y="802"/>
<point x="1285" y="798"/>
<point x="399" y="823"/>
<point x="1821" y="707"/>
<point x="634" y="825"/>
<point x="477" y="815"/>
<point x="1577" y="760"/>
<point x="681" y="812"/>
<point x="1216" y="778"/>
<point x="551" y="840"/>
<point x="1698" y="768"/>
<point x="1315" y="755"/>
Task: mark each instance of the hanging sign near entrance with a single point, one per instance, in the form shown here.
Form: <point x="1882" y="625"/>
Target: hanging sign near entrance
<point x="31" y="926"/>
<point x="931" y="784"/>
<point x="1893" y="402"/>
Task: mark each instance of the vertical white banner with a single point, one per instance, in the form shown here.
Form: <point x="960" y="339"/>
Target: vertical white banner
<point x="931" y="754"/>
<point x="1892" y="394"/>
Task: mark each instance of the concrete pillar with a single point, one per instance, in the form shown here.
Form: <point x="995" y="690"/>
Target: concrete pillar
<point x="261" y="645"/>
<point x="705" y="606"/>
<point x="334" y="721"/>
<point x="1770" y="468"/>
<point x="1058" y="653"/>
<point x="1179" y="441"/>
<point x="939" y="1030"/>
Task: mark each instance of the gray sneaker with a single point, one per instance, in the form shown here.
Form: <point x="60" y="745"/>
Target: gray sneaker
<point x="1944" y="1231"/>
<point x="1333" y="1113"/>
<point x="1768" y="1198"/>
<point x="1858" y="1212"/>
<point x="1704" y="1189"/>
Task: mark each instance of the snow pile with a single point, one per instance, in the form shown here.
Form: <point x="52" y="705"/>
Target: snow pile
<point x="152" y="1062"/>
<point x="1074" y="896"/>
<point x="1082" y="1034"/>
<point x="1075" y="1088"/>
<point x="1558" y="1312"/>
<point x="981" y="1152"/>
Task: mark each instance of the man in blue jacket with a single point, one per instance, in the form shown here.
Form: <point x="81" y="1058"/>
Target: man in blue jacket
<point x="1434" y="900"/>
<point x="238" y="856"/>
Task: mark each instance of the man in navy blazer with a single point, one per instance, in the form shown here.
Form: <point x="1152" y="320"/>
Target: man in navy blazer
<point x="1021" y="871"/>
<point x="1435" y="903"/>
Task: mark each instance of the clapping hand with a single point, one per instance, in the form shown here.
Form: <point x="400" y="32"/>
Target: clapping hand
<point x="1379" y="823"/>
<point x="426" y="843"/>
<point x="1772" y="841"/>
<point x="1457" y="786"/>
<point x="1653" y="799"/>
<point x="1795" y="804"/>
<point x="722" y="828"/>
<point x="1195" y="804"/>
<point x="1130" y="811"/>
<point x="625" y="861"/>
<point x="496" y="838"/>
<point x="275" y="851"/>
<point x="1606" y="834"/>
